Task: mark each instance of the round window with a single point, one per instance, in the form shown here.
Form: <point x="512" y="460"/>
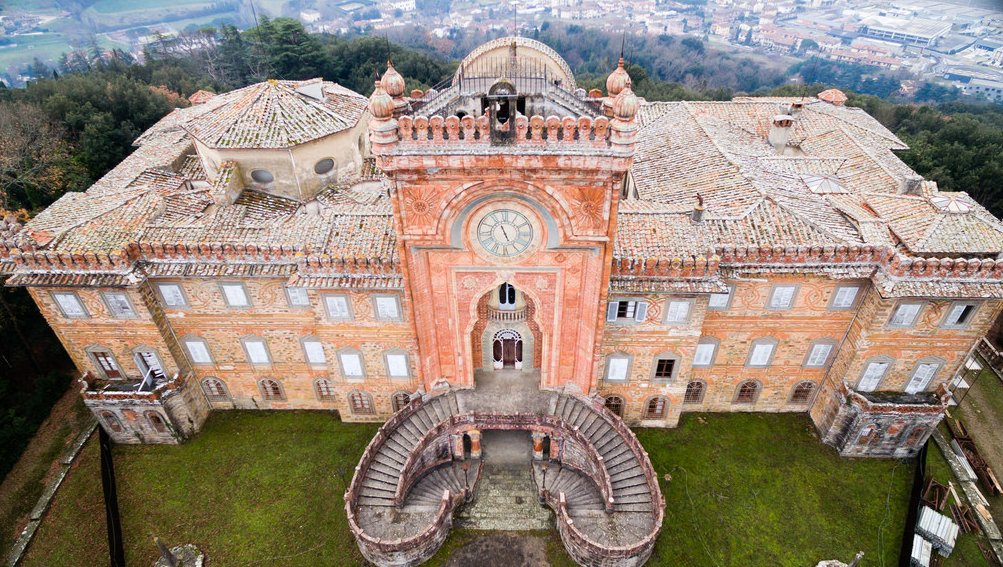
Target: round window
<point x="323" y="166"/>
<point x="262" y="176"/>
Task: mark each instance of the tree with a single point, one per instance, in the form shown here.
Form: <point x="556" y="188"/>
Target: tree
<point x="35" y="164"/>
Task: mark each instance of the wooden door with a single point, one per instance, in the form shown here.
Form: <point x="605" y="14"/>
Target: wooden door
<point x="508" y="352"/>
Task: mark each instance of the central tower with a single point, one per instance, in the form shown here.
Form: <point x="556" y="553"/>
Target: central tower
<point x="506" y="177"/>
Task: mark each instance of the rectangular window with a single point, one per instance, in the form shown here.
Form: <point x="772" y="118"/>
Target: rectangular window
<point x="387" y="307"/>
<point x="198" y="352"/>
<point x="149" y="363"/>
<point x="337" y="307"/>
<point x="297" y="297"/>
<point x="107" y="364"/>
<point x="257" y="351"/>
<point x="626" y="310"/>
<point x="905" y="315"/>
<point x="844" y="298"/>
<point x="664" y="368"/>
<point x="677" y="311"/>
<point x="314" y="352"/>
<point x="617" y="371"/>
<point x="119" y="305"/>
<point x="397" y="366"/>
<point x="70" y="304"/>
<point x="819" y="355"/>
<point x="959" y="315"/>
<point x="720" y="301"/>
<point x="172" y="295"/>
<point x="351" y="365"/>
<point x="704" y="355"/>
<point x="921" y="378"/>
<point x="872" y="376"/>
<point x="782" y="296"/>
<point x="235" y="295"/>
<point x="761" y="355"/>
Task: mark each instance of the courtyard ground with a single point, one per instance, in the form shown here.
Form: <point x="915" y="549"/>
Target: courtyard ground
<point x="265" y="488"/>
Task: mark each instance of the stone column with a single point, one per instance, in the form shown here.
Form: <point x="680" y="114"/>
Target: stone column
<point x="538" y="438"/>
<point x="456" y="442"/>
<point x="475" y="444"/>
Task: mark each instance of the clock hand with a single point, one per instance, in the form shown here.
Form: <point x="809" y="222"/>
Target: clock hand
<point x="505" y="233"/>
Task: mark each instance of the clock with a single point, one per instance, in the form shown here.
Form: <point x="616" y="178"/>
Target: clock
<point x="505" y="232"/>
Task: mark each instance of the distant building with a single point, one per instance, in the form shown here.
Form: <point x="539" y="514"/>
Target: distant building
<point x="917" y="31"/>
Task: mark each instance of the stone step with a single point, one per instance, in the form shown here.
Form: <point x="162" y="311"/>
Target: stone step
<point x="422" y="416"/>
<point x="384" y="469"/>
<point x="376" y="492"/>
<point x="434" y="405"/>
<point x="375" y="501"/>
<point x="559" y="406"/>
<point x="412" y="430"/>
<point x="635" y="489"/>
<point x="633" y="499"/>
<point x="619" y="468"/>
<point x="389" y="460"/>
<point x="373" y="482"/>
<point x="638" y="507"/>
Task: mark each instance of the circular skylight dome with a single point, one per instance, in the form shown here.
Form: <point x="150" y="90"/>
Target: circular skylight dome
<point x="950" y="204"/>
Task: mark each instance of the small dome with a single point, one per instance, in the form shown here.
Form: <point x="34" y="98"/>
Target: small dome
<point x="617" y="80"/>
<point x="625" y="104"/>
<point x="381" y="106"/>
<point x="392" y="81"/>
<point x="833" y="96"/>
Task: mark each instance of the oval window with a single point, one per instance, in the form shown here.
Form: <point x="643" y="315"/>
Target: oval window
<point x="323" y="166"/>
<point x="262" y="176"/>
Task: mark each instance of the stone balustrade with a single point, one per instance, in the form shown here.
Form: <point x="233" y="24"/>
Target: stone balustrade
<point x="506" y="316"/>
<point x="529" y="131"/>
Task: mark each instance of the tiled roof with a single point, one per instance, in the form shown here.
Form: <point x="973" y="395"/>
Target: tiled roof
<point x="924" y="228"/>
<point x="276" y="114"/>
<point x="826" y="188"/>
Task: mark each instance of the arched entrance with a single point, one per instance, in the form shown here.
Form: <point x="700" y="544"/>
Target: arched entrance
<point x="506" y="348"/>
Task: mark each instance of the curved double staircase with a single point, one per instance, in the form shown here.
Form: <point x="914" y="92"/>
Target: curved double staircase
<point x="413" y="475"/>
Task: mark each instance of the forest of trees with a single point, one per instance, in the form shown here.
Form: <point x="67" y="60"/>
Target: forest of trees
<point x="62" y="133"/>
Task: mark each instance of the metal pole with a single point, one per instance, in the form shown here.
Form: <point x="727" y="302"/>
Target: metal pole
<point x="115" y="550"/>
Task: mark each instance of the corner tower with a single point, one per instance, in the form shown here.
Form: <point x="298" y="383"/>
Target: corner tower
<point x="508" y="175"/>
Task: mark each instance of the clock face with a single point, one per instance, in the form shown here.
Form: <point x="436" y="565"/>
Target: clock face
<point x="505" y="232"/>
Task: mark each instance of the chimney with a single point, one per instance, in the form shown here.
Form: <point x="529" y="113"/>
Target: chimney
<point x="698" y="210"/>
<point x="910" y="184"/>
<point x="796" y="108"/>
<point x="780" y="131"/>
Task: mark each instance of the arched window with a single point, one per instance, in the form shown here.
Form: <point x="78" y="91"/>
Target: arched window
<point x="324" y="390"/>
<point x="747" y="392"/>
<point x="361" y="402"/>
<point x="271" y="390"/>
<point x="656" y="407"/>
<point x="400" y="399"/>
<point x="506" y="297"/>
<point x="111" y="422"/>
<point x="868" y="436"/>
<point x="917" y="434"/>
<point x="694" y="392"/>
<point x="156" y="422"/>
<point x="614" y="404"/>
<point x="215" y="390"/>
<point x="802" y="391"/>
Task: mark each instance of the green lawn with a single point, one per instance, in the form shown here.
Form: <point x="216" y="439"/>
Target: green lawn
<point x="266" y="488"/>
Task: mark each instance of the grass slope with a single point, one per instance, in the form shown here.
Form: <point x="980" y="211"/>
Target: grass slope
<point x="760" y="489"/>
<point x="259" y="488"/>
